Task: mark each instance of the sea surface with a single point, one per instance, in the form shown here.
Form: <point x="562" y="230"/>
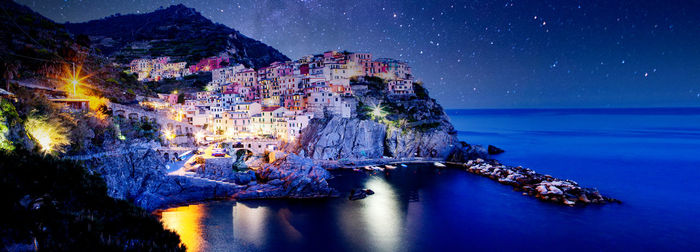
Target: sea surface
<point x="647" y="158"/>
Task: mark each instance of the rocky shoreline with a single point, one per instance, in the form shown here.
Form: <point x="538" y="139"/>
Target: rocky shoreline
<point x="541" y="186"/>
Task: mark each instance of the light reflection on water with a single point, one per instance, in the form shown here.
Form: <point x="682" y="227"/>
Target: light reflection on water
<point x="421" y="208"/>
<point x="381" y="214"/>
<point x="187" y="222"/>
<point x="250" y="221"/>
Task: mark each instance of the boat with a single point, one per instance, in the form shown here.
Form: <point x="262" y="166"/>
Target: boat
<point x="438" y="164"/>
<point x="367" y="168"/>
<point x="404" y="165"/>
<point x="377" y="168"/>
<point x="390" y="167"/>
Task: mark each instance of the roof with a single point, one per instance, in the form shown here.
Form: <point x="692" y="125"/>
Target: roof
<point x="69" y="100"/>
<point x="268" y="109"/>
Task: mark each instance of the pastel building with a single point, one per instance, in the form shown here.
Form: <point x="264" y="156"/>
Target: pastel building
<point x="208" y="64"/>
<point x="400" y="86"/>
<point x="296" y="123"/>
<point x="264" y="123"/>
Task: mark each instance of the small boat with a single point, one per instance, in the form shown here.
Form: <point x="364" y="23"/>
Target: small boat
<point x="377" y="168"/>
<point x="356" y="169"/>
<point x="438" y="164"/>
<point x="404" y="165"/>
<point x="390" y="167"/>
<point x="367" y="168"/>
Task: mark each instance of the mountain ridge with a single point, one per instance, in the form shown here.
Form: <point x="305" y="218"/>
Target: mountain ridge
<point x="177" y="31"/>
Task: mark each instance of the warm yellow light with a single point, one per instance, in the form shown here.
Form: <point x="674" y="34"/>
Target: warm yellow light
<point x="168" y="134"/>
<point x="50" y="136"/>
<point x="187" y="222"/>
<point x="44" y="140"/>
<point x="74" y="82"/>
<point x="230" y="133"/>
<point x="199" y="135"/>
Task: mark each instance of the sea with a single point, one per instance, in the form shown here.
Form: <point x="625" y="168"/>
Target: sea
<point x="649" y="158"/>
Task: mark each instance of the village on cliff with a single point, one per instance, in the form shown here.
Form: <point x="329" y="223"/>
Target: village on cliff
<point x="263" y="106"/>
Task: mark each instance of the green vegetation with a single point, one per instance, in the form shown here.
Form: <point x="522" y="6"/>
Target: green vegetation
<point x="136" y="129"/>
<point x="427" y="126"/>
<point x="58" y="205"/>
<point x="363" y="111"/>
<point x="190" y="83"/>
<point x="8" y="118"/>
<point x="420" y="91"/>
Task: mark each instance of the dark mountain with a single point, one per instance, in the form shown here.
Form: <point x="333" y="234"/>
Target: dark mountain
<point x="174" y="31"/>
<point x="31" y="44"/>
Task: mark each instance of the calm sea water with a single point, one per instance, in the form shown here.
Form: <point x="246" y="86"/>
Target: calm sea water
<point x="648" y="158"/>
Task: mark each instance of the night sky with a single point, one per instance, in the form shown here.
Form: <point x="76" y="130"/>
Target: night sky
<point x="479" y="54"/>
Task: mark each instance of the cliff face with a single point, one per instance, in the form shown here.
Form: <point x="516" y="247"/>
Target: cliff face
<point x="341" y="138"/>
<point x="139" y="176"/>
<point x="289" y="177"/>
<point x="409" y="127"/>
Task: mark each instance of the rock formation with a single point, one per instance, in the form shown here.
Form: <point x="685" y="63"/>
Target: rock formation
<point x="541" y="186"/>
<point x="140" y="177"/>
<point x="413" y="127"/>
<point x="289" y="177"/>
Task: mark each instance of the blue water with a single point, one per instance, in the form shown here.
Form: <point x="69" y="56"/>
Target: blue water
<point x="648" y="158"/>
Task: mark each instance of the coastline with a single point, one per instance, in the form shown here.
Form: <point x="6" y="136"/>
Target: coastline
<point x="541" y="186"/>
<point x="530" y="183"/>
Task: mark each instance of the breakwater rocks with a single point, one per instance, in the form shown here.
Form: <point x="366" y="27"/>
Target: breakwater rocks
<point x="543" y="187"/>
<point x="292" y="176"/>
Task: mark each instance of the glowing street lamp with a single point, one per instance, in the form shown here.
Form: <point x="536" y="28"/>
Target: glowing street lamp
<point x="377" y="111"/>
<point x="199" y="136"/>
<point x="169" y="134"/>
<point x="75" y="83"/>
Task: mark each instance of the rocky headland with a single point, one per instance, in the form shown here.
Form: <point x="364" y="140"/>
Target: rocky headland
<point x="406" y="127"/>
<point x="415" y="128"/>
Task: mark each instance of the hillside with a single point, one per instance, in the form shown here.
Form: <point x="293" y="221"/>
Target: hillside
<point x="32" y="45"/>
<point x="174" y="31"/>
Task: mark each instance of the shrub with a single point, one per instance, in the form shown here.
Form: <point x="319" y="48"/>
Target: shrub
<point x="61" y="206"/>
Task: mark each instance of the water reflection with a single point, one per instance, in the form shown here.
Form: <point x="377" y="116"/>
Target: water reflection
<point x="187" y="222"/>
<point x="249" y="220"/>
<point x="380" y="222"/>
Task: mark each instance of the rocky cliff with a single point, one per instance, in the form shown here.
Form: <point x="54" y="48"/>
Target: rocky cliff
<point x="289" y="177"/>
<point x="140" y="177"/>
<point x="386" y="125"/>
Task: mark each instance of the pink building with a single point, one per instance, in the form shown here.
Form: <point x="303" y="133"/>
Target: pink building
<point x="208" y="64"/>
<point x="169" y="98"/>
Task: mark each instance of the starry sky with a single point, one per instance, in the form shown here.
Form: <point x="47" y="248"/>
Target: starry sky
<point x="478" y="54"/>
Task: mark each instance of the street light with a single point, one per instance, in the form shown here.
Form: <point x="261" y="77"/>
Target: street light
<point x="377" y="111"/>
<point x="74" y="81"/>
